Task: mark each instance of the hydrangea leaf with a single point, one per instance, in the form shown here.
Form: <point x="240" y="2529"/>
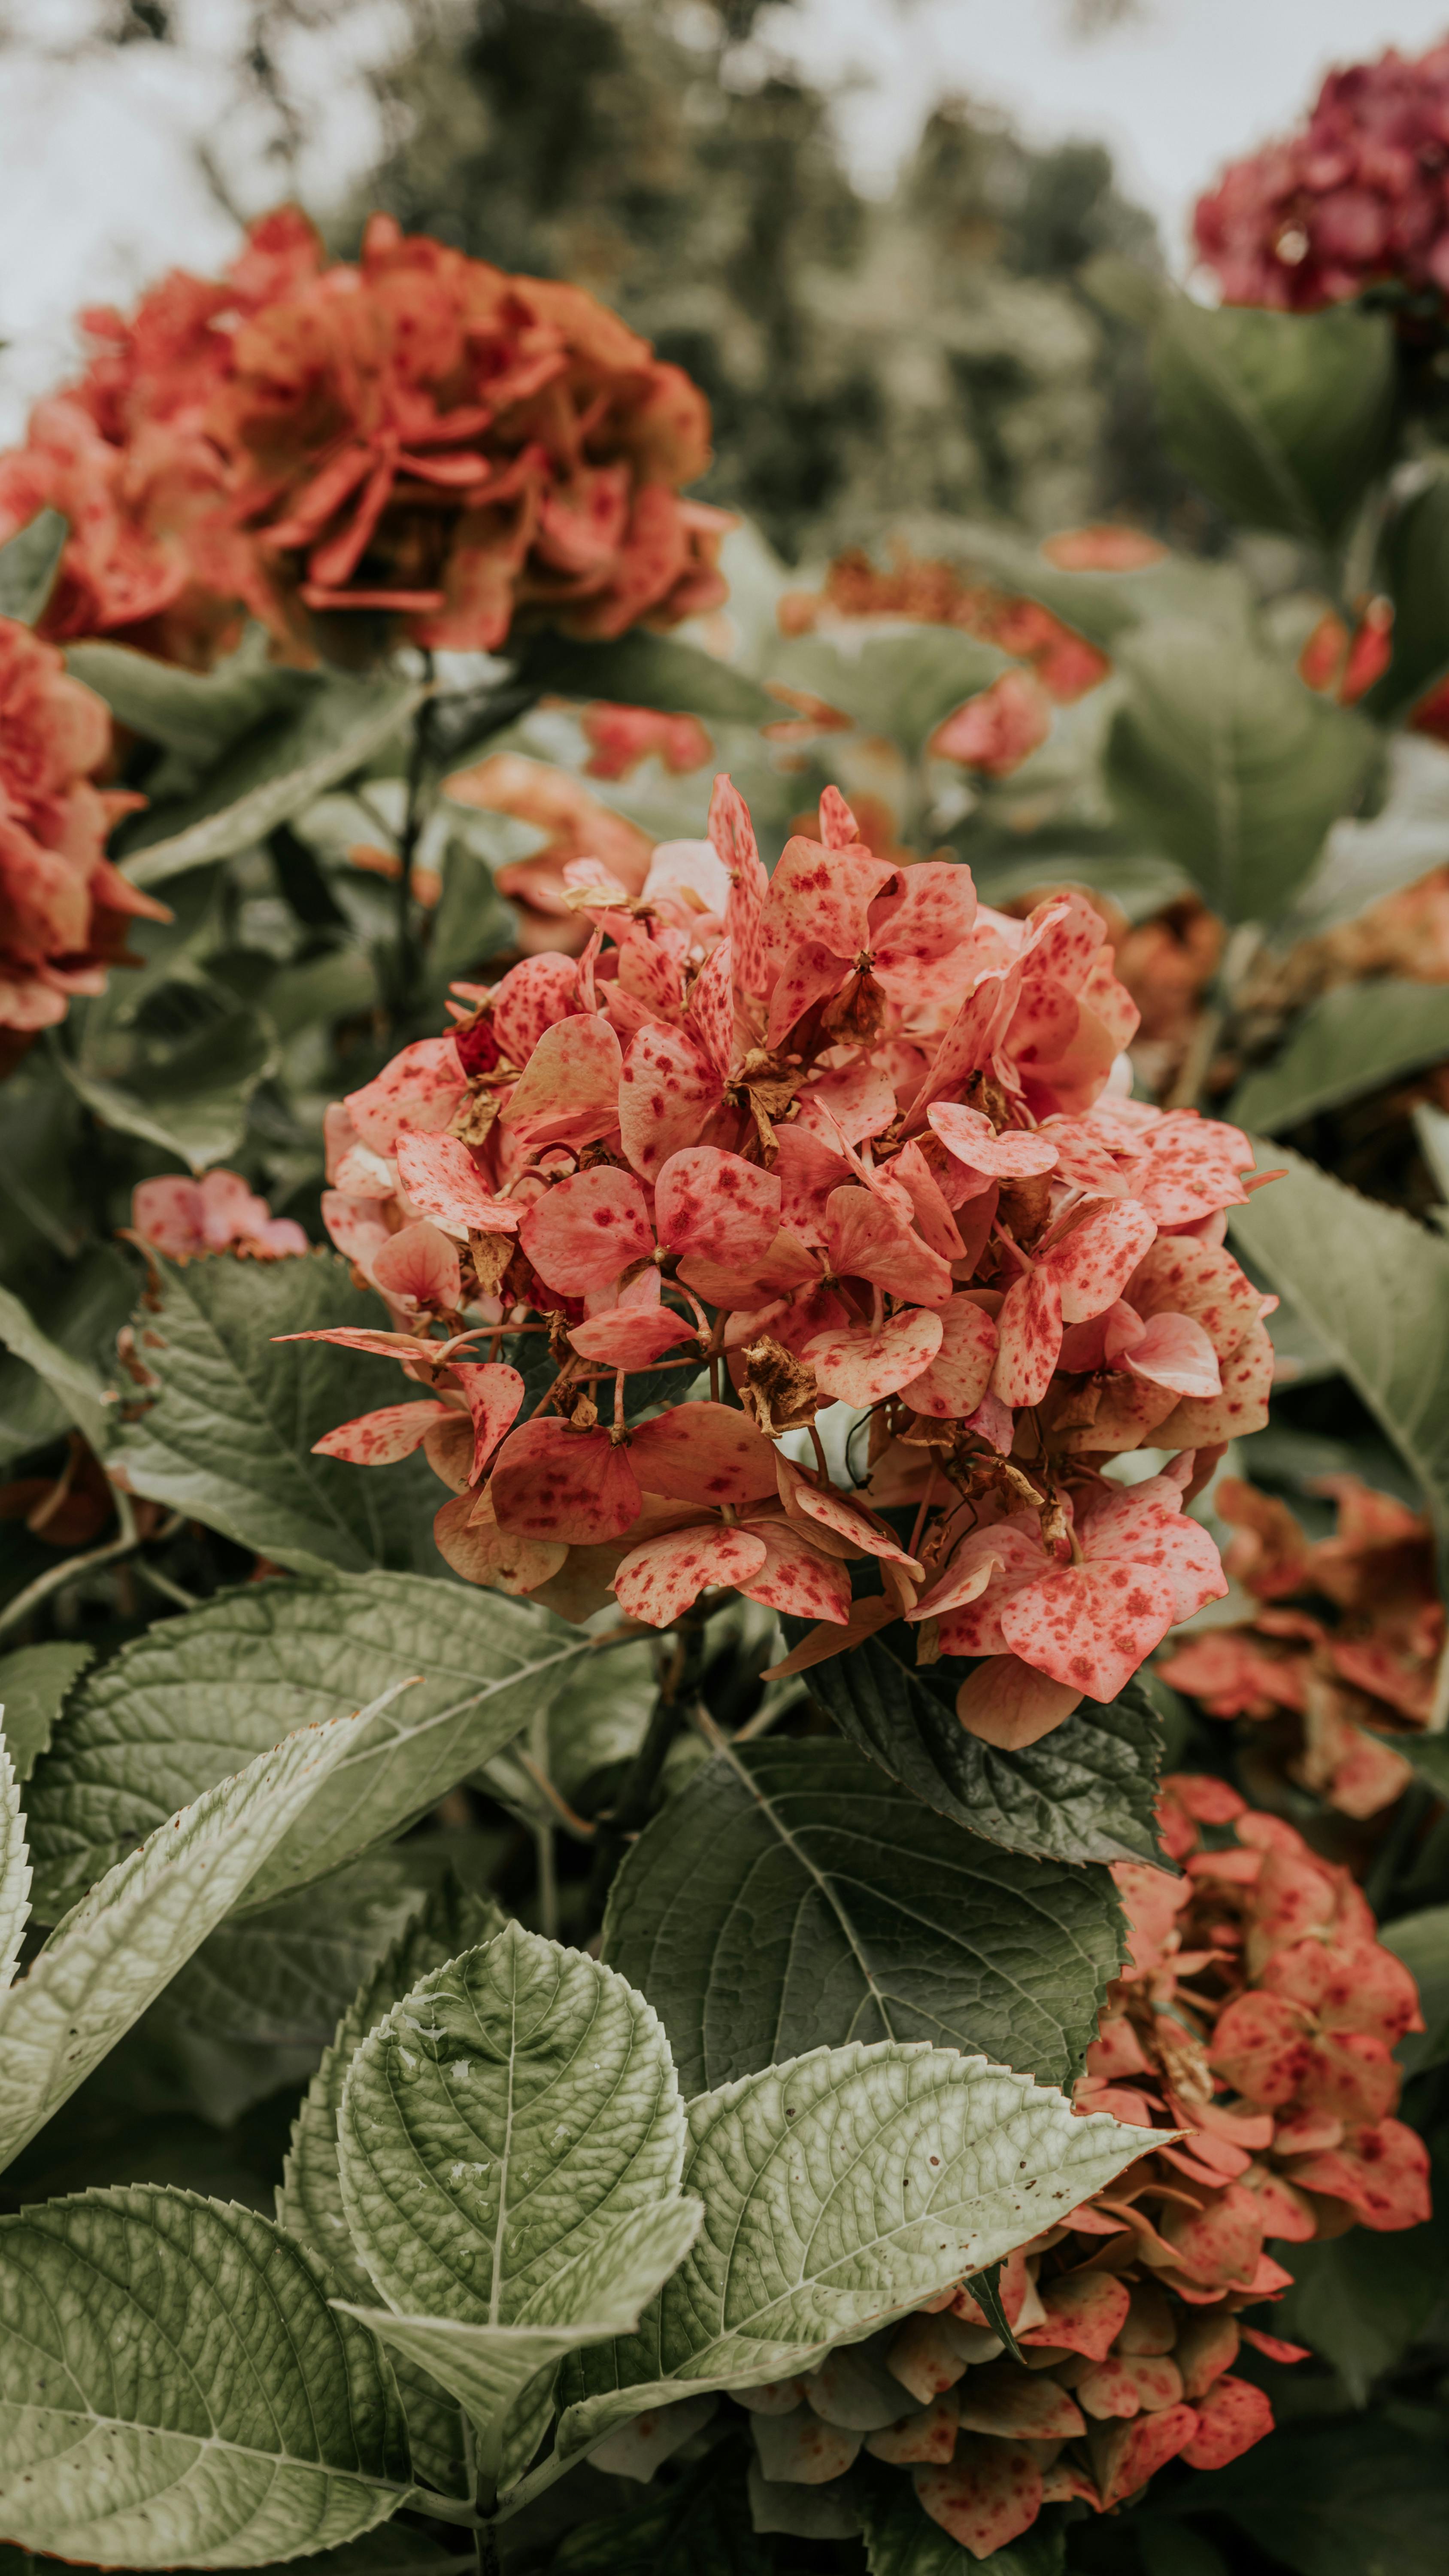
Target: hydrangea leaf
<point x="791" y="1896"/>
<point x="225" y="1435"/>
<point x="510" y="2142"/>
<point x="280" y="1975"/>
<point x="1329" y="2506"/>
<point x="124" y="1942"/>
<point x="1085" y="1792"/>
<point x="29" y="562"/>
<point x="1412" y="570"/>
<point x="175" y="2389"/>
<point x="309" y="2198"/>
<point x="698" y="2525"/>
<point x="1347" y="1042"/>
<point x="14" y="1869"/>
<point x="641" y="670"/>
<point x="841" y="2190"/>
<point x="33" y="1685"/>
<point x="74" y="1384"/>
<point x="199" y="1695"/>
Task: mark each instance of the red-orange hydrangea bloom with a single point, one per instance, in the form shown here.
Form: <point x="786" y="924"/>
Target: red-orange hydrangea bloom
<point x="63" y="907"/>
<point x="1249" y="2038"/>
<point x="839" y="1135"/>
<point x="418" y="434"/>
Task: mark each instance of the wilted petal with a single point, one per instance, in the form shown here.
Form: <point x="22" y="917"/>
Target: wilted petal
<point x="421" y="1088"/>
<point x="716" y="1205"/>
<point x="867" y="1618"/>
<point x="552" y="1482"/>
<point x="668" y="1088"/>
<point x="1019" y="2404"/>
<point x="801" y="1496"/>
<point x="376" y="1439"/>
<point x="957" y="1378"/>
<point x="361" y="1337"/>
<point x="860" y="1367"/>
<point x="585" y="1230"/>
<point x="419" y="1268"/>
<point x="704" y="1453"/>
<point x="658" y="1581"/>
<point x="440" y="1176"/>
<point x="482" y="1553"/>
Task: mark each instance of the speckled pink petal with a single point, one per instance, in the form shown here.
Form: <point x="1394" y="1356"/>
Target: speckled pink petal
<point x="930" y="1213"/>
<point x="975" y="1627"/>
<point x="649" y="974"/>
<point x="866" y="1241"/>
<point x="807" y="1170"/>
<point x="704" y="1453"/>
<point x="1191" y="1166"/>
<point x="784" y="1265"/>
<point x="442" y="1180"/>
<point x="482" y="1553"/>
<point x="529" y="999"/>
<point x="968" y="1042"/>
<point x="493" y="1393"/>
<point x="360" y="1337"/>
<point x="988" y="2495"/>
<point x="712" y="1007"/>
<point x="1029" y="1333"/>
<point x="867" y="1618"/>
<point x="820" y="894"/>
<point x="1200" y="1421"/>
<point x="807" y="973"/>
<point x="568" y="1093"/>
<point x="1180" y="1276"/>
<point x="631" y="1337"/>
<point x="1008" y="1153"/>
<point x="839" y="829"/>
<point x="861" y="1367"/>
<point x="422" y="1087"/>
<point x="1094" y="1261"/>
<point x="1073" y="934"/>
<point x="585" y="1230"/>
<point x="1091" y="1626"/>
<point x="716" y="1205"/>
<point x="419" y="1267"/>
<point x="804" y="1498"/>
<point x="930" y="917"/>
<point x="1142" y="1525"/>
<point x="376" y="1439"/>
<point x="1008" y="1704"/>
<point x="1175" y="1352"/>
<point x="577" y="1487"/>
<point x="169" y="1213"/>
<point x="355" y="1226"/>
<point x="733" y="836"/>
<point x="667" y="1090"/>
<point x="957" y="1378"/>
<point x="858" y="1099"/>
<point x="796" y="1579"/>
<point x="658" y="1581"/>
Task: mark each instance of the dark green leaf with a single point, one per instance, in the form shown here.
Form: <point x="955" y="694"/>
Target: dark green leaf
<point x="1366" y="2500"/>
<point x="227" y="1435"/>
<point x="1414" y="570"/>
<point x="1087" y="1791"/>
<point x="55" y="1378"/>
<point x="903" y="684"/>
<point x="73" y="1383"/>
<point x="29" y="562"/>
<point x="791" y="1898"/>
<point x="1360" y="2300"/>
<point x="33" y="1685"/>
<point x="642" y="670"/>
<point x="192" y="1101"/>
<point x="902" y="2540"/>
<point x="197" y="715"/>
<point x="1282" y="418"/>
<point x="1375" y="1288"/>
<point x="1228" y="764"/>
<point x="283" y="1975"/>
<point x="1348" y="1042"/>
<point x="699" y="2526"/>
<point x="1422" y="1942"/>
<point x="195" y="1697"/>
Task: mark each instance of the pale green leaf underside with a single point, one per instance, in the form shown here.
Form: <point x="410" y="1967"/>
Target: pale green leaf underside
<point x="126" y="1940"/>
<point x="839" y="2192"/>
<point x="14" y="1869"/>
<point x="198" y="1696"/>
<point x="1348" y="1042"/>
<point x="309" y="2201"/>
<point x="34" y="1681"/>
<point x="176" y="2391"/>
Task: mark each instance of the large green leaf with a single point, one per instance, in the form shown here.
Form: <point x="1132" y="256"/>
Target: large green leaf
<point x="1375" y="1288"/>
<point x="1414" y="569"/>
<point x="1282" y="418"/>
<point x="1334" y="2500"/>
<point x="643" y="670"/>
<point x="791" y="1897"/>
<point x="309" y="2198"/>
<point x="1360" y="2300"/>
<point x="1422" y="1942"/>
<point x="73" y="1382"/>
<point x="1229" y="765"/>
<point x="389" y="2549"/>
<point x="1086" y="1792"/>
<point x="273" y="773"/>
<point x="193" y="1103"/>
<point x="1363" y="861"/>
<point x="226" y="1435"/>
<point x="902" y="684"/>
<point x="281" y="1975"/>
<point x="125" y="1940"/>
<point x="197" y="715"/>
<point x="29" y="562"/>
<point x="33" y="1684"/>
<point x="14" y="1869"/>
<point x="698" y="2526"/>
<point x="197" y="1696"/>
<point x="510" y="2143"/>
<point x="842" y="2190"/>
<point x="1348" y="1042"/>
<point x="176" y="2391"/>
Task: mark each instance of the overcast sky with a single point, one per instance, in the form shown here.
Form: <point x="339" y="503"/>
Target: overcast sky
<point x="100" y="188"/>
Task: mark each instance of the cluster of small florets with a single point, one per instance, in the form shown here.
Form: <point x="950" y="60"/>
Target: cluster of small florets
<point x="1253" y="2030"/>
<point x="1359" y="197"/>
<point x="838" y="1136"/>
<point x="1348" y="1636"/>
<point x="418" y="435"/>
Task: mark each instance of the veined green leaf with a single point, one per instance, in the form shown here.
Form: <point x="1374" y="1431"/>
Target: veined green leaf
<point x="73" y="1382"/>
<point x="643" y="670"/>
<point x="1360" y="2300"/>
<point x="1348" y="1042"/>
<point x="903" y="684"/>
<point x="33" y="1684"/>
<point x="198" y="714"/>
<point x="309" y="2198"/>
<point x="127" y="1938"/>
<point x="697" y="2526"/>
<point x="1228" y="764"/>
<point x="226" y="1435"/>
<point x="1087" y="1791"/>
<point x="193" y="1104"/>
<point x="176" y="2391"/>
<point x="1375" y="1288"/>
<point x="282" y="1974"/>
<point x="790" y="1896"/>
<point x="53" y="1376"/>
<point x="198" y="1696"/>
<point x="389" y="2549"/>
<point x="29" y="562"/>
<point x="273" y="774"/>
<point x="840" y="2191"/>
<point x="14" y="1869"/>
<point x="510" y="2142"/>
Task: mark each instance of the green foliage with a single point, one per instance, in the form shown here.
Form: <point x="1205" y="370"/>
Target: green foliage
<point x="791" y="1896"/>
<point x="1333" y="2500"/>
<point x="1362" y="2300"/>
<point x="33" y="1685"/>
<point x="1422" y="1942"/>
<point x="1348" y="1042"/>
<point x="901" y="2541"/>
<point x="28" y="564"/>
<point x="698" y="2527"/>
<point x="1413" y="570"/>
